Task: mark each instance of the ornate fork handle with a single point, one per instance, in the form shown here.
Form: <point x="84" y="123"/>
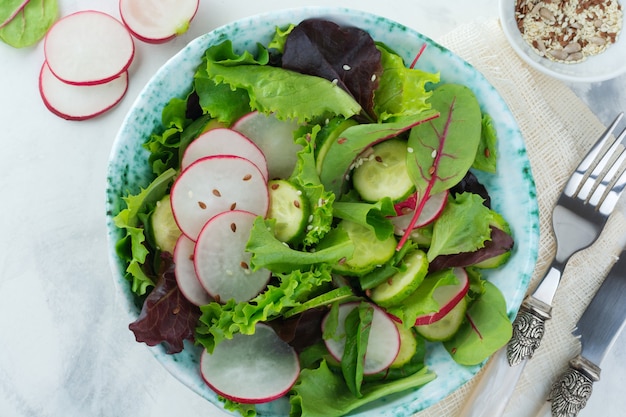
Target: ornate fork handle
<point x="569" y="393"/>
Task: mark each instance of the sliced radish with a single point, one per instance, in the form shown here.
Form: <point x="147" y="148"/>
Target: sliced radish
<point x="88" y="47"/>
<point x="447" y="296"/>
<point x="251" y="369"/>
<point x="80" y="102"/>
<point x="10" y="9"/>
<point x="222" y="141"/>
<point x="275" y="138"/>
<point x="157" y="21"/>
<point x="221" y="261"/>
<point x="432" y="209"/>
<point x="383" y="344"/>
<point x="185" y="271"/>
<point x="215" y="184"/>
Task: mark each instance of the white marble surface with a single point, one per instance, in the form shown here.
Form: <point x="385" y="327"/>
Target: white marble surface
<point x="66" y="350"/>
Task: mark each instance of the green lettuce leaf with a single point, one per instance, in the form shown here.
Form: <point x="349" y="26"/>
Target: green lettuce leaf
<point x="462" y="227"/>
<point x="486" y="154"/>
<point x="221" y="321"/>
<point x="131" y="248"/>
<point x="402" y="91"/>
<point x="374" y="216"/>
<point x="321" y="392"/>
<point x="357" y="325"/>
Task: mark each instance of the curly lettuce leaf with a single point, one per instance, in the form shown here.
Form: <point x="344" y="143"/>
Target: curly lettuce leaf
<point x="131" y="248"/>
<point x="221" y="321"/>
<point x="402" y="90"/>
<point x="322" y="392"/>
<point x="464" y="226"/>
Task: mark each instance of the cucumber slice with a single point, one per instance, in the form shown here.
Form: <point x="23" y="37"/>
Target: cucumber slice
<point x="164" y="228"/>
<point x="384" y="173"/>
<point x="402" y="284"/>
<point x="447" y="326"/>
<point x="369" y="252"/>
<point x="327" y="136"/>
<point x="408" y="346"/>
<point x="290" y="210"/>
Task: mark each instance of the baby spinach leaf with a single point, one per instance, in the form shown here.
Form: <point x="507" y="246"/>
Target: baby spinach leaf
<point x="30" y="25"/>
<point x="346" y="56"/>
<point x="9" y="9"/>
<point x="358" y="324"/>
<point x="486" y="154"/>
<point x="486" y="328"/>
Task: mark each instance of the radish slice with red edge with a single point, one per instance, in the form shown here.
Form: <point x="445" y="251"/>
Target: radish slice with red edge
<point x="80" y="102"/>
<point x="432" y="209"/>
<point x="157" y="21"/>
<point x="275" y="138"/>
<point x="383" y="344"/>
<point x="10" y="9"/>
<point x="221" y="261"/>
<point x="185" y="272"/>
<point x="215" y="184"/>
<point x="223" y="141"/>
<point x="251" y="369"/>
<point x="88" y="47"/>
<point x="447" y="296"/>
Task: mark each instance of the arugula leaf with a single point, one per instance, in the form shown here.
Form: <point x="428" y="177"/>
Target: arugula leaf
<point x="402" y="90"/>
<point x="30" y="25"/>
<point x="269" y="252"/>
<point x="322" y="392"/>
<point x="131" y="247"/>
<point x="486" y="329"/>
<point x="221" y="321"/>
<point x="463" y="226"/>
<point x="357" y="325"/>
<point x="166" y="316"/>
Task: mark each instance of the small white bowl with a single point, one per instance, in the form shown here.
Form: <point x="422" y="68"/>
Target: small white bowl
<point x="609" y="64"/>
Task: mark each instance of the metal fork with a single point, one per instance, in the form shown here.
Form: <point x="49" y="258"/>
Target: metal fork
<point x="581" y="212"/>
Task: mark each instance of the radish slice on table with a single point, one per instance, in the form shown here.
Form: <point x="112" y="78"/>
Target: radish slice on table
<point x="447" y="296"/>
<point x="10" y="9"/>
<point x="275" y="138"/>
<point x="159" y="21"/>
<point x="185" y="272"/>
<point x="251" y="369"/>
<point x="432" y="209"/>
<point x="222" y="141"/>
<point x="88" y="47"/>
<point x="383" y="344"/>
<point x="215" y="184"/>
<point x="79" y="102"/>
<point x="221" y="261"/>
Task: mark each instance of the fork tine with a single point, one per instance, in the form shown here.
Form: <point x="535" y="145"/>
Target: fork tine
<point x="613" y="188"/>
<point x="604" y="171"/>
<point x="592" y="159"/>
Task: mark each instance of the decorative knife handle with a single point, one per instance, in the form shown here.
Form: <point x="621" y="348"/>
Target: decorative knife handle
<point x="569" y="393"/>
<point x="528" y="330"/>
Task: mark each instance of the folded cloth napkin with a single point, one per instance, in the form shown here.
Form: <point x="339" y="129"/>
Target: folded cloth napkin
<point x="558" y="129"/>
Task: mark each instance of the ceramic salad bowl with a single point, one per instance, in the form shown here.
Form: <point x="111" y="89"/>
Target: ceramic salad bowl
<point x="512" y="188"/>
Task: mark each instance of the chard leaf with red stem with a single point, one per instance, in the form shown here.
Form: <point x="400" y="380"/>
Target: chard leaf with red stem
<point x="443" y="149"/>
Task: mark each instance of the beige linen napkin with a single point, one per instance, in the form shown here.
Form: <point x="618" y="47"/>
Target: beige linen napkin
<point x="558" y="129"/>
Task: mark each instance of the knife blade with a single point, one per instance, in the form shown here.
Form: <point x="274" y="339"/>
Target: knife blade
<point x="598" y="328"/>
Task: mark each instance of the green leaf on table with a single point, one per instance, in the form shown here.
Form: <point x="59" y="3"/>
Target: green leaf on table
<point x="30" y="25"/>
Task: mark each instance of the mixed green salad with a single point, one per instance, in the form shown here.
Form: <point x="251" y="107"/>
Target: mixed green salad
<point x="374" y="206"/>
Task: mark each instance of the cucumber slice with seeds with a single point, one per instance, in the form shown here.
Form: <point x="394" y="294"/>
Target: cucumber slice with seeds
<point x="402" y="284"/>
<point x="164" y="228"/>
<point x="447" y="326"/>
<point x="290" y="210"/>
<point x="384" y="173"/>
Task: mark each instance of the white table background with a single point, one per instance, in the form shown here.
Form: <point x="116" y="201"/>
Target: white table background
<point x="65" y="349"/>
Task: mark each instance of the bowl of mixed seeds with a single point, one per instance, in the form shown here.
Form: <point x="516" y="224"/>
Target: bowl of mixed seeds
<point x="572" y="40"/>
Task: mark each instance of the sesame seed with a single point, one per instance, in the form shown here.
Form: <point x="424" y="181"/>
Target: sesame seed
<point x="346" y="67"/>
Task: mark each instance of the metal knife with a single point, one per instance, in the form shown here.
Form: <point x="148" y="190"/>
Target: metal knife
<point x="597" y="328"/>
